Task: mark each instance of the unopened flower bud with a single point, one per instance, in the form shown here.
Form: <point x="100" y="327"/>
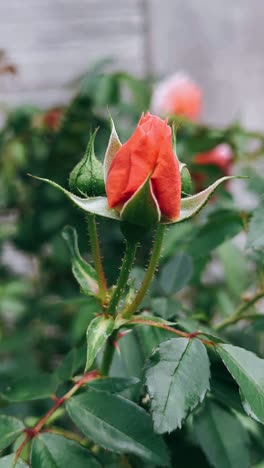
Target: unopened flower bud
<point x="87" y="176"/>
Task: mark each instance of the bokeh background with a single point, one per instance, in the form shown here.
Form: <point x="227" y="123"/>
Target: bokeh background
<point x="220" y="44"/>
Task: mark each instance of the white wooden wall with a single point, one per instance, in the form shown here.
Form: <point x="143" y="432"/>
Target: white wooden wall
<point x="54" y="41"/>
<point x="220" y="43"/>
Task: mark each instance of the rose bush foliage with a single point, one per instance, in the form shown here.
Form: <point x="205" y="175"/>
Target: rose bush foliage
<point x="109" y="368"/>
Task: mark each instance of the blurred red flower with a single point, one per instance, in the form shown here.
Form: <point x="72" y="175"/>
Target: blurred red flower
<point x="221" y="156"/>
<point x="52" y="119"/>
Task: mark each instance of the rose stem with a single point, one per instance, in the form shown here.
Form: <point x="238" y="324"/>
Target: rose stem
<point x="31" y="433"/>
<point x="95" y="248"/>
<point x="154" y="259"/>
<point x="163" y="326"/>
<point x="130" y="252"/>
<point x="239" y="313"/>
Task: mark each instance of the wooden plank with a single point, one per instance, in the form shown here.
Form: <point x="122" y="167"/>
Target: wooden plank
<point x="54" y="41"/>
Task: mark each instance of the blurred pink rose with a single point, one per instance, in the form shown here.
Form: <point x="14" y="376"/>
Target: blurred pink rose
<point x="177" y="95"/>
<point x="221" y="156"/>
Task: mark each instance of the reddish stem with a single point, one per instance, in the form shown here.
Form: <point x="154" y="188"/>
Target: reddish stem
<point x="172" y="330"/>
<point x="31" y="433"/>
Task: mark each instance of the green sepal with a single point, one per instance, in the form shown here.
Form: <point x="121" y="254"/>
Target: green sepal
<point x="186" y="180"/>
<point x="97" y="333"/>
<point x="113" y="146"/>
<point x="190" y="206"/>
<point x="95" y="205"/>
<point x="142" y="208"/>
<point x="87" y="176"/>
<point x="82" y="271"/>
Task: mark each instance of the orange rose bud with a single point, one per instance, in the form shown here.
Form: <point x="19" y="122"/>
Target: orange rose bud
<point x="146" y="163"/>
<point x="220" y="156"/>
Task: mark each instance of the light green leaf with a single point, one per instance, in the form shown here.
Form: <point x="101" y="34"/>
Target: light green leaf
<point x="142" y="208"/>
<point x="247" y="369"/>
<point x="117" y="424"/>
<point x="114" y="145"/>
<point x="55" y="451"/>
<point x="190" y="206"/>
<point x="10" y="429"/>
<point x="176" y="273"/>
<point x="82" y="271"/>
<point x="97" y="333"/>
<point x="8" y="462"/>
<point x="222" y="437"/>
<point x="31" y="388"/>
<point x="95" y="205"/>
<point x="177" y="378"/>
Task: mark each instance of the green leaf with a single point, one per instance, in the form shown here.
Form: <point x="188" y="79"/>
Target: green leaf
<point x="10" y="429"/>
<point x="31" y="388"/>
<point x="117" y="424"/>
<point x="72" y="363"/>
<point x="255" y="240"/>
<point x="142" y="208"/>
<point x="113" y="384"/>
<point x="55" y="451"/>
<point x="177" y="378"/>
<point x="190" y="206"/>
<point x="176" y="273"/>
<point x="219" y="227"/>
<point x="166" y="307"/>
<point x="222" y="437"/>
<point x="97" y="333"/>
<point x="247" y="370"/>
<point x="8" y="462"/>
<point x="82" y="271"/>
<point x="95" y="205"/>
<point x="236" y="269"/>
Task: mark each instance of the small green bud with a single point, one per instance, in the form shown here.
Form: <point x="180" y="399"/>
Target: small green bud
<point x="186" y="180"/>
<point x="87" y="176"/>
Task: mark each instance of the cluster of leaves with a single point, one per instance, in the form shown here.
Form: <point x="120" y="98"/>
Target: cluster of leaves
<point x="186" y="400"/>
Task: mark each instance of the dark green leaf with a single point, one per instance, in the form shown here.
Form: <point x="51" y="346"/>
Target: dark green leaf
<point x="8" y="462"/>
<point x="114" y="384"/>
<point x="10" y="429"/>
<point x="255" y="238"/>
<point x="55" y="451"/>
<point x="220" y="226"/>
<point x="176" y="273"/>
<point x="97" y="333"/>
<point x="227" y="393"/>
<point x="31" y="388"/>
<point x="177" y="378"/>
<point x="222" y="437"/>
<point x="248" y="371"/>
<point x="73" y="362"/>
<point x="82" y="271"/>
<point x="118" y="425"/>
<point x="235" y="268"/>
